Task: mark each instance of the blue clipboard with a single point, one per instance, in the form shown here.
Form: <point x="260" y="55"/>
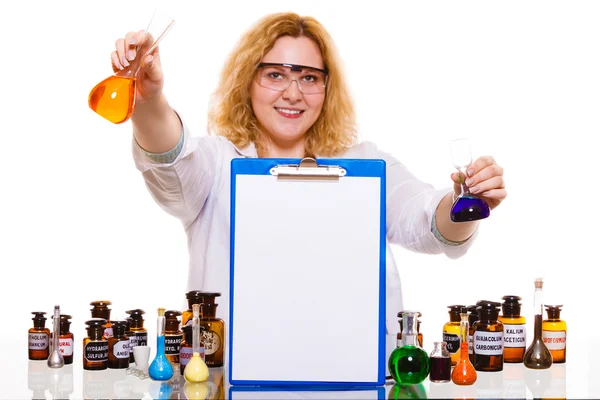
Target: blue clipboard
<point x="308" y="393"/>
<point x="307" y="272"/>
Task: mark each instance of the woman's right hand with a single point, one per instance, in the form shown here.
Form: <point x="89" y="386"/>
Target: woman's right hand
<point x="150" y="78"/>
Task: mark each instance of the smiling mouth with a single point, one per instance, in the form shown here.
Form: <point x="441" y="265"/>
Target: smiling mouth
<point x="289" y="113"/>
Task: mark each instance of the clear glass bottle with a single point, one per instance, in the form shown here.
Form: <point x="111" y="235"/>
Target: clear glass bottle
<point x="464" y="373"/>
<point x="212" y="331"/>
<point x="537" y="355"/>
<point x="173" y="335"/>
<point x="39" y="337"/>
<point x="554" y="334"/>
<point x="514" y="329"/>
<point x="488" y="338"/>
<point x="451" y="333"/>
<point x="439" y="363"/>
<point x="419" y="334"/>
<point x="409" y="363"/>
<point x="95" y="345"/>
<point x="160" y="369"/>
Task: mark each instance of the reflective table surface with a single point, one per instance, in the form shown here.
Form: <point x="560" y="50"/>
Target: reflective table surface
<point x="26" y="379"/>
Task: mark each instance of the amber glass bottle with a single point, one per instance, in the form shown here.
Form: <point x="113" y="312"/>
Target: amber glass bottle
<point x="554" y="334"/>
<point x="213" y="331"/>
<point x="95" y="345"/>
<point x="118" y="346"/>
<point x="173" y="335"/>
<point x="136" y="326"/>
<point x="419" y="334"/>
<point x="488" y="338"/>
<point x="193" y="297"/>
<point x="39" y="337"/>
<point x="451" y="333"/>
<point x="66" y="339"/>
<point x="186" y="350"/>
<point x="473" y="317"/>
<point x="101" y="310"/>
<point x="514" y="329"/>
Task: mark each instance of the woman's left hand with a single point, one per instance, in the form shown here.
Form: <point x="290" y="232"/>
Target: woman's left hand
<point x="485" y="179"/>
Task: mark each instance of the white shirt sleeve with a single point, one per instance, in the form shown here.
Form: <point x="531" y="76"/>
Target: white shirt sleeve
<point x="181" y="186"/>
<point x="411" y="205"/>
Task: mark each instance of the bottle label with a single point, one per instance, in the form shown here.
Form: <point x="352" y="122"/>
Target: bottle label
<point x="185" y="355"/>
<point x="38" y="341"/>
<point x="555" y="340"/>
<point x="141" y="338"/>
<point x="514" y="335"/>
<point x="212" y="342"/>
<point x="470" y="341"/>
<point x="172" y="343"/>
<point x="65" y="346"/>
<point x="121" y="349"/>
<point x="488" y="343"/>
<point x="132" y="341"/>
<point x="96" y="351"/>
<point x="452" y="342"/>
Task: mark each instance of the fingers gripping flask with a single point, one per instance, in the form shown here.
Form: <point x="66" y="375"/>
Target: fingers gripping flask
<point x="409" y="363"/>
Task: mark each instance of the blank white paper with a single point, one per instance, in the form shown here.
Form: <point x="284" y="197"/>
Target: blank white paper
<point x="306" y="279"/>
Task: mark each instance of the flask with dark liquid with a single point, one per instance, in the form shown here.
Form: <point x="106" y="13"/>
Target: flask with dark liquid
<point x="439" y="363"/>
<point x="467" y="206"/>
<point x="537" y="355"/>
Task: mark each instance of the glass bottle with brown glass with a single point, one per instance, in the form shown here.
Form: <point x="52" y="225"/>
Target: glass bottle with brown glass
<point x="473" y="317"/>
<point x="554" y="334"/>
<point x="173" y="335"/>
<point x="419" y="334"/>
<point x="451" y="333"/>
<point x="136" y="326"/>
<point x="66" y="340"/>
<point x="192" y="297"/>
<point x="95" y="345"/>
<point x="213" y="331"/>
<point x="488" y="338"/>
<point x="537" y="355"/>
<point x="186" y="350"/>
<point x="102" y="310"/>
<point x="514" y="329"/>
<point x="39" y="337"/>
<point x="118" y="346"/>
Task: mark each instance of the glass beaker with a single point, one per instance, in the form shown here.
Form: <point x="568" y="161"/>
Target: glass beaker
<point x="467" y="206"/>
<point x="114" y="97"/>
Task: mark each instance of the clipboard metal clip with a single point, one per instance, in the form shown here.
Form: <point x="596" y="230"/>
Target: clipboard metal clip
<point x="308" y="169"/>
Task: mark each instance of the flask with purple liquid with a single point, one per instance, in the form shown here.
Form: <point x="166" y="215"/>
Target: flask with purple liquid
<point x="467" y="206"/>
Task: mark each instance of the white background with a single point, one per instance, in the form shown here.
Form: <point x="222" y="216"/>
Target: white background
<point x="522" y="78"/>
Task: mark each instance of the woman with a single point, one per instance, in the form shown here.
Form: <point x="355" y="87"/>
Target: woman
<point x="281" y="94"/>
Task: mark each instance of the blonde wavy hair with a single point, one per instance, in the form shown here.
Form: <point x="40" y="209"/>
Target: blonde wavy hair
<point x="231" y="113"/>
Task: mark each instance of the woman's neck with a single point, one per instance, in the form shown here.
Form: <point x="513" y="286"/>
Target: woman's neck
<point x="275" y="150"/>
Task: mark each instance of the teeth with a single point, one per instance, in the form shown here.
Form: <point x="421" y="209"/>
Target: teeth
<point x="285" y="110"/>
